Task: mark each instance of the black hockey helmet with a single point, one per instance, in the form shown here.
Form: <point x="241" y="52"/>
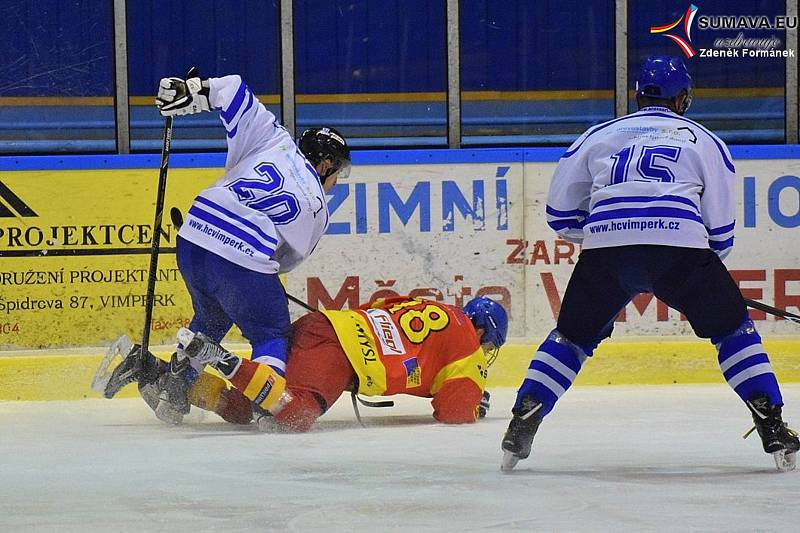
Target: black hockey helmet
<point x="320" y="144"/>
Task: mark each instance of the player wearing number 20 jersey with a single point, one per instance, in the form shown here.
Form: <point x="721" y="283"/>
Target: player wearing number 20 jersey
<point x="268" y="211"/>
<point x="262" y="217"/>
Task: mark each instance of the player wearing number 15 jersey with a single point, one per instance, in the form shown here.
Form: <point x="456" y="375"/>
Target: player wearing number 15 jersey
<point x="650" y="196"/>
<point x="263" y="217"/>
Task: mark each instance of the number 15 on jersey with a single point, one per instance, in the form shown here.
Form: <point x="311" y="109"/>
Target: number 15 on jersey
<point x="652" y="164"/>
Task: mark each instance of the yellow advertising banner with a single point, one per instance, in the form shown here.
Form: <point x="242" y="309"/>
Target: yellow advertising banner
<point x="75" y="252"/>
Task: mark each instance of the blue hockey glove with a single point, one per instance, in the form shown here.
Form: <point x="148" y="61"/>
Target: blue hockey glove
<point x="483" y="408"/>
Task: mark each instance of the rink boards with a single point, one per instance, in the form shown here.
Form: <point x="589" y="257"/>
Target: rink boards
<point x="446" y="225"/>
<point x="44" y="375"/>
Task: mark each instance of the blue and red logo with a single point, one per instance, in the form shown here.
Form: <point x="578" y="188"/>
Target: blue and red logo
<point x="684" y="43"/>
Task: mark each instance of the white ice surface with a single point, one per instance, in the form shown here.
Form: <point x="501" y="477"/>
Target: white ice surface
<point x="607" y="459"/>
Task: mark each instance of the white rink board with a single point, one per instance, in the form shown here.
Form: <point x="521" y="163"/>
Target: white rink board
<point x="437" y="231"/>
<point x="453" y="231"/>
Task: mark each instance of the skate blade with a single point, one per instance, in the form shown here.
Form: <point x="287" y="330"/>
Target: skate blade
<point x="785" y="462"/>
<point x="185" y="337"/>
<point x="509" y="462"/>
<point x="120" y="347"/>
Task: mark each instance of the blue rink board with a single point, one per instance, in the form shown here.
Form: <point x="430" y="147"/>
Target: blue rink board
<point x="366" y="157"/>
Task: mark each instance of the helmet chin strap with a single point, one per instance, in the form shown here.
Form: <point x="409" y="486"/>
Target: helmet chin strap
<point x="491" y="351"/>
<point x="687" y="101"/>
<point x="330" y="172"/>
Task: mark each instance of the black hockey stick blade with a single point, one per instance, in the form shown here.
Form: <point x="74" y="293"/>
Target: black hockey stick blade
<point x="755" y="304"/>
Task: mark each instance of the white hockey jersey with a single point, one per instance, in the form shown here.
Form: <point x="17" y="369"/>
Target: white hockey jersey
<point x="268" y="211"/>
<point x="651" y="177"/>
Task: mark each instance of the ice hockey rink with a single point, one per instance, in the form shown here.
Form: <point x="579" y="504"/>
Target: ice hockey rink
<point x="620" y="458"/>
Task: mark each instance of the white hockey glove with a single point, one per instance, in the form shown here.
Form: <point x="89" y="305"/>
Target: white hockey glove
<point x="183" y="97"/>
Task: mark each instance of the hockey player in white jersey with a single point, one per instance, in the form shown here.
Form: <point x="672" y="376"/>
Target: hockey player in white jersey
<point x="263" y="217"/>
<point x="650" y="196"/>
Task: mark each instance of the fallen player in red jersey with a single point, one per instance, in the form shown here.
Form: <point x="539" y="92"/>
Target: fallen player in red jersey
<point x="399" y="346"/>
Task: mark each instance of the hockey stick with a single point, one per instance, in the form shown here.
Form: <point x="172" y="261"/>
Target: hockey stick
<point x="125" y="373"/>
<point x="301" y="303"/>
<point x="755" y="304"/>
<point x="156" y="244"/>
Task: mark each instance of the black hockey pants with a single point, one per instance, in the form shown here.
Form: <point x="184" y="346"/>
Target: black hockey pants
<point x="694" y="281"/>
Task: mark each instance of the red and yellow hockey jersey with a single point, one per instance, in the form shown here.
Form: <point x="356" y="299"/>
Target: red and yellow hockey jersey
<point x="418" y="347"/>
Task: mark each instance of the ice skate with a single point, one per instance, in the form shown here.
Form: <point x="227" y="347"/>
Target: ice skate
<point x="109" y="383"/>
<point x="204" y="350"/>
<point x="167" y="392"/>
<point x="776" y="437"/>
<point x="518" y="439"/>
<point x="134" y="367"/>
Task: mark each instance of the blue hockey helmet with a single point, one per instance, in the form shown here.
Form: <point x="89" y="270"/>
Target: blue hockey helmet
<point x="487" y="314"/>
<point x="664" y="78"/>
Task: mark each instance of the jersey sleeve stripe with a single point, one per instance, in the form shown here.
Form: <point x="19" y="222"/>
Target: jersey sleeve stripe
<point x="558" y="213"/>
<point x="309" y="167"/>
<point x="230" y="113"/>
<point x="722" y="229"/>
<point x="230" y="229"/>
<point x="721" y="245"/>
<point x="466" y="367"/>
<point x="559" y="225"/>
<point x="232" y="133"/>
<point x="644" y="199"/>
<point x="237" y="218"/>
<point x="644" y="212"/>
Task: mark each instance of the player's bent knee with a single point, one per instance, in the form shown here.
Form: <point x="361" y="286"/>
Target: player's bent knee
<point x="235" y="407"/>
<point x="747" y="327"/>
<point x="581" y="352"/>
<point x="206" y="392"/>
<point x="301" y="413"/>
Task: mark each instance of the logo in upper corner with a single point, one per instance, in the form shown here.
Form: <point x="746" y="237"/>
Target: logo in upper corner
<point x="20" y="208"/>
<point x="683" y="43"/>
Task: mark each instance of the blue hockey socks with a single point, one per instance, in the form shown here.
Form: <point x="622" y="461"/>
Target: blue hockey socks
<point x="745" y="364"/>
<point x="552" y="371"/>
